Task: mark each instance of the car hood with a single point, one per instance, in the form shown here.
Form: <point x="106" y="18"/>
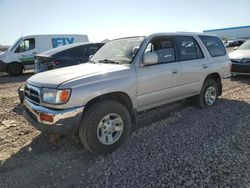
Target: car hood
<point x="56" y="77"/>
<point x="240" y="54"/>
<point x="3" y="54"/>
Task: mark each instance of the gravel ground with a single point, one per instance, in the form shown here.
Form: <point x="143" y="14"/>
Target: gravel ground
<point x="184" y="147"/>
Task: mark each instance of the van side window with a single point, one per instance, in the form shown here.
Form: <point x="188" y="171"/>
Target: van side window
<point x="26" y="45"/>
<point x="163" y="47"/>
<point x="214" y="45"/>
<point x="188" y="49"/>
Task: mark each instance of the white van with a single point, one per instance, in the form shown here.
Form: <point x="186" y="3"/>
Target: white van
<point x="20" y="56"/>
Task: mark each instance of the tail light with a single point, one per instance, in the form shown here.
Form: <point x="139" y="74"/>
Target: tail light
<point x="55" y="62"/>
<point x="230" y="66"/>
<point x="52" y="64"/>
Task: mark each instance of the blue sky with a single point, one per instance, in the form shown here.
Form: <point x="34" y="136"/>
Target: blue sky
<point x="101" y="19"/>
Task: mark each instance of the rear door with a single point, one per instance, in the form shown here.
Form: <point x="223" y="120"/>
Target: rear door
<point x="159" y="83"/>
<point x="193" y="64"/>
<point x="218" y="59"/>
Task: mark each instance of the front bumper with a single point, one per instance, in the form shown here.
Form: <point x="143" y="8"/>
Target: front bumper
<point x="65" y="121"/>
<point x="241" y="68"/>
<point x="3" y="66"/>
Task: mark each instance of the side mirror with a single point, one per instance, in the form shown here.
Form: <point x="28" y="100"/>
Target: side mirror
<point x="150" y="58"/>
<point x="235" y="48"/>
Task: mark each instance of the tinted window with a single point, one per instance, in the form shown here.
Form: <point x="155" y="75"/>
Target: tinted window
<point x="65" y="53"/>
<point x="79" y="51"/>
<point x="163" y="47"/>
<point x="92" y="49"/>
<point x="188" y="48"/>
<point x="26" y="45"/>
<point x="214" y="45"/>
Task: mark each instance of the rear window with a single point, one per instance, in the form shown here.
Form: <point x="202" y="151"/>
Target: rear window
<point x="214" y="45"/>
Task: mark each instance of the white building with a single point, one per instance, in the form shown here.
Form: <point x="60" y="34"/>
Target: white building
<point x="231" y="32"/>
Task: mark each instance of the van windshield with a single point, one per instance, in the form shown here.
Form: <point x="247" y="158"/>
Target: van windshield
<point x="15" y="44"/>
<point x="120" y="51"/>
<point x="245" y="46"/>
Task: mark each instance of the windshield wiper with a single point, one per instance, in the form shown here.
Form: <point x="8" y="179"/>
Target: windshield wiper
<point x="108" y="61"/>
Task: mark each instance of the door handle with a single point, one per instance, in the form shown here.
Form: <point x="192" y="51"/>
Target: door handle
<point x="174" y="71"/>
<point x="205" y="66"/>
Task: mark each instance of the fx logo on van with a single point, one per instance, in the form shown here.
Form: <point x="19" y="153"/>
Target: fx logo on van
<point x="62" y="41"/>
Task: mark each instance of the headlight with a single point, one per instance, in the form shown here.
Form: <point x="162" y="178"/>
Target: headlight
<point x="55" y="96"/>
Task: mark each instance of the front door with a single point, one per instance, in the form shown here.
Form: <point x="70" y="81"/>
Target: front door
<point x="161" y="82"/>
<point x="25" y="52"/>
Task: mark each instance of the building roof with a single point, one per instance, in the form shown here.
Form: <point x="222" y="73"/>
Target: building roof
<point x="229" y="28"/>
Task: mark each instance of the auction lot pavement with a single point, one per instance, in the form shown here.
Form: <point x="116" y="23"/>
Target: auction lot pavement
<point x="187" y="147"/>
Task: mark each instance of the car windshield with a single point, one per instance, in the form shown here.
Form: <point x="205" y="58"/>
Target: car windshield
<point x="245" y="46"/>
<point x="120" y="51"/>
<point x="15" y="44"/>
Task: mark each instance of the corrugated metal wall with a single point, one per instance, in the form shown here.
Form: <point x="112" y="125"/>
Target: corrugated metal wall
<point x="231" y="33"/>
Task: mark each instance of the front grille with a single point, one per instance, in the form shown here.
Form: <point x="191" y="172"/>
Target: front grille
<point x="32" y="93"/>
<point x="247" y="61"/>
<point x="241" y="61"/>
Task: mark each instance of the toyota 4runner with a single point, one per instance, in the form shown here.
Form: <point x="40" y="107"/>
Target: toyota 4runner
<point x="100" y="99"/>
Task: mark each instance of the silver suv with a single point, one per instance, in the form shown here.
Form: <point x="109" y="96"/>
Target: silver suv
<point x="100" y="99"/>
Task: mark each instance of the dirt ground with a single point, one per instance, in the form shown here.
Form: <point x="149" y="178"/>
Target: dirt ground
<point x="31" y="159"/>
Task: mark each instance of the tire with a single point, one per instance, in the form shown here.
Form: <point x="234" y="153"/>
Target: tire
<point x="15" y="69"/>
<point x="200" y="100"/>
<point x="92" y="132"/>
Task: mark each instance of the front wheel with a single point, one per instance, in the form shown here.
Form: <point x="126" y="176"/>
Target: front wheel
<point x="15" y="69"/>
<point x="208" y="95"/>
<point x="104" y="127"/>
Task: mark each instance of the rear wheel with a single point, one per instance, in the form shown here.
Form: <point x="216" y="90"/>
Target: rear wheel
<point x="15" y="69"/>
<point x="104" y="127"/>
<point x="208" y="95"/>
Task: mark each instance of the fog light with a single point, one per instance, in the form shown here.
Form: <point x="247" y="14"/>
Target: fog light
<point x="45" y="117"/>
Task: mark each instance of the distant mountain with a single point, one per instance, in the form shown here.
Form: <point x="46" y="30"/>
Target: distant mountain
<point x="3" y="48"/>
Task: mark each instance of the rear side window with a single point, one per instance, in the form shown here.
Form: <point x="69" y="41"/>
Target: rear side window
<point x="66" y="53"/>
<point x="72" y="52"/>
<point x="79" y="51"/>
<point x="92" y="49"/>
<point x="213" y="45"/>
<point x="188" y="49"/>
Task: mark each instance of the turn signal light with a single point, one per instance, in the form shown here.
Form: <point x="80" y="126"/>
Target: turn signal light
<point x="64" y="95"/>
<point x="45" y="117"/>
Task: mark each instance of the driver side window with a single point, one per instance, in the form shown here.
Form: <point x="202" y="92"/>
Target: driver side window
<point x="26" y="45"/>
<point x="164" y="49"/>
